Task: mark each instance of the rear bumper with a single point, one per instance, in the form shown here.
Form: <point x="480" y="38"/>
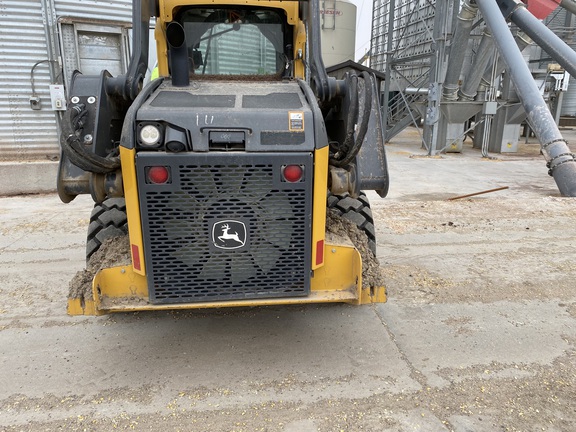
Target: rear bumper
<point x="119" y="289"/>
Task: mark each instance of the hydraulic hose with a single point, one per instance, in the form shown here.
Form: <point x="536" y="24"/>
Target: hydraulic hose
<point x="351" y="120"/>
<point x="352" y="146"/>
<point x="76" y="151"/>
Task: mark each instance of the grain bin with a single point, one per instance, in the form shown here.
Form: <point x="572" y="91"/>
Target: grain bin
<point x="338" y="24"/>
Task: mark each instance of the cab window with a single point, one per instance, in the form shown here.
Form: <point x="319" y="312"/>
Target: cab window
<point x="236" y="41"/>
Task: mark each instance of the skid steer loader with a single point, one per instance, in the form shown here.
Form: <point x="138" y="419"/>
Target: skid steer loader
<point x="221" y="171"/>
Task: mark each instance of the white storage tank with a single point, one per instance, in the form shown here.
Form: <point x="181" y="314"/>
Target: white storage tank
<point x="338" y="30"/>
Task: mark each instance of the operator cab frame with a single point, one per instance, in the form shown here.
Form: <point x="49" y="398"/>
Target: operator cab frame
<point x="233" y="40"/>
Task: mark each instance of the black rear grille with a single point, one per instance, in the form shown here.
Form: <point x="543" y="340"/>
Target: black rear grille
<point x="226" y="227"/>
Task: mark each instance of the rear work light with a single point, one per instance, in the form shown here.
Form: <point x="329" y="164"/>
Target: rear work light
<point x="293" y="173"/>
<point x="150" y="135"/>
<point x="158" y="175"/>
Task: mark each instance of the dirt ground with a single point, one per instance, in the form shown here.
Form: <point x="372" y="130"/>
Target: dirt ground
<point x="478" y="334"/>
<point x="486" y="252"/>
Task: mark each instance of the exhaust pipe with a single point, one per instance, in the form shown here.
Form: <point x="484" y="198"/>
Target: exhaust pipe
<point x="178" y="55"/>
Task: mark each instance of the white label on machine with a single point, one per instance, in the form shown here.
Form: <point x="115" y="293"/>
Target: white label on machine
<point x="296" y="120"/>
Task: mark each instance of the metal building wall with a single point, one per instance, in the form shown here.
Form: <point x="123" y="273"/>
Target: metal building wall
<point x="25" y="134"/>
<point x="73" y="21"/>
<point x="29" y="47"/>
<point x="411" y="40"/>
<point x="118" y="10"/>
<point x="408" y="45"/>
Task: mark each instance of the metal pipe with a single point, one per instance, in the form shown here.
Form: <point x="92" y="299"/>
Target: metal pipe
<point x="469" y="88"/>
<point x="416" y="91"/>
<point x="544" y="37"/>
<point x="522" y="41"/>
<point x="478" y="193"/>
<point x="569" y="5"/>
<point x="554" y="148"/>
<point x="558" y="110"/>
<point x="389" y="56"/>
<point x="458" y="48"/>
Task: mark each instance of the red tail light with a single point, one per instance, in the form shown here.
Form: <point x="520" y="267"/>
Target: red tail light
<point x="158" y="174"/>
<point x="293" y="173"/>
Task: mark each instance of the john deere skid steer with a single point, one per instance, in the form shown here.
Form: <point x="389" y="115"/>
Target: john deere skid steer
<point x="221" y="170"/>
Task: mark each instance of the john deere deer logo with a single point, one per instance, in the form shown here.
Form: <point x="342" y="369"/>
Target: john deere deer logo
<point x="229" y="234"/>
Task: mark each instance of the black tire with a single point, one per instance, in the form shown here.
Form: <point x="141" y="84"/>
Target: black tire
<point x="108" y="219"/>
<point x="356" y="210"/>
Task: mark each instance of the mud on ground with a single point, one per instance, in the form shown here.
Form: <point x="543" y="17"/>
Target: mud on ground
<point x="342" y="231"/>
<point x="113" y="252"/>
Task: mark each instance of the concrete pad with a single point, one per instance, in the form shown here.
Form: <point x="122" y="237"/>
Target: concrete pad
<point x="478" y="333"/>
<point x="447" y="342"/>
<point x="301" y="426"/>
<point x="30" y="177"/>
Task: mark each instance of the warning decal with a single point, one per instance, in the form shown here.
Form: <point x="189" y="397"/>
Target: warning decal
<point x="296" y="120"/>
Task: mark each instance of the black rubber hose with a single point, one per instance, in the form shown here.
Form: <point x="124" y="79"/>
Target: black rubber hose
<point x="67" y="136"/>
<point x="351" y="120"/>
<point x="352" y="151"/>
<point x="76" y="151"/>
<point x="102" y="164"/>
<point x="365" y="118"/>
